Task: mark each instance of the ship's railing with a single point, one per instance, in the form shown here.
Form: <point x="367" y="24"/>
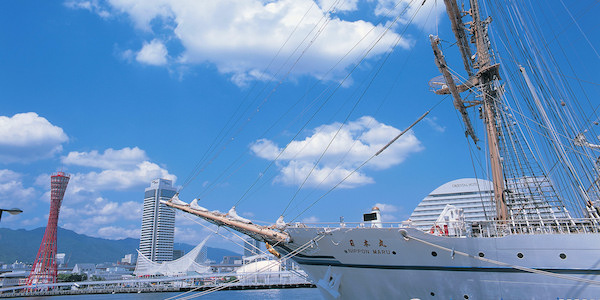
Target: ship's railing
<point x="537" y="226"/>
<point x="347" y="224"/>
<point x="491" y="228"/>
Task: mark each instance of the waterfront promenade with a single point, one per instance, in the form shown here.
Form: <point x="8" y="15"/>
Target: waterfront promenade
<point x="232" y="281"/>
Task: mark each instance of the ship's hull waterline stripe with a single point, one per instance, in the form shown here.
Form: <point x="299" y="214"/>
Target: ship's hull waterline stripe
<point x="442" y="268"/>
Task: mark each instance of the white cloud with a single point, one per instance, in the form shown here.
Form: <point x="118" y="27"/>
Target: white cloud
<point x="248" y="214"/>
<point x="387" y="211"/>
<point x="295" y="172"/>
<point x="354" y="144"/>
<point x="127" y="55"/>
<point x="387" y="208"/>
<point x="108" y="232"/>
<point x="117" y="233"/>
<point x="311" y="219"/>
<point x="347" y="5"/>
<point x="153" y="53"/>
<point x="186" y="219"/>
<point x="110" y="159"/>
<point x="32" y="222"/>
<point x="425" y="14"/>
<point x="92" y="6"/>
<point x="103" y="211"/>
<point x="193" y="236"/>
<point x="433" y="122"/>
<point x="241" y="37"/>
<point x="142" y="12"/>
<point x="121" y="169"/>
<point x="96" y="217"/>
<point x="119" y="179"/>
<point x="12" y="192"/>
<point x="27" y="137"/>
<point x="87" y="210"/>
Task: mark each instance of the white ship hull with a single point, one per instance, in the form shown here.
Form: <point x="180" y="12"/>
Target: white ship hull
<point x="382" y="264"/>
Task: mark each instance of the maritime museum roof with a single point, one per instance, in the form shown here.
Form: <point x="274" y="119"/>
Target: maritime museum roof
<point x="472" y="195"/>
<point x="464" y="185"/>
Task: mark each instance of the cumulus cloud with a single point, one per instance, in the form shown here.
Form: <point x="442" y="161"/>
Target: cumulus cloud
<point x="388" y="212"/>
<point x="110" y="159"/>
<point x="103" y="211"/>
<point x="121" y="169"/>
<point x="98" y="216"/>
<point x="193" y="236"/>
<point x="352" y="145"/>
<point x="424" y="14"/>
<point x="12" y="191"/>
<point x="90" y="5"/>
<point x="433" y="122"/>
<point x="86" y="209"/>
<point x="241" y="37"/>
<point x="153" y="53"/>
<point x="295" y="172"/>
<point x="14" y="195"/>
<point x="119" y="179"/>
<point x="117" y="233"/>
<point x="32" y="222"/>
<point x="349" y="5"/>
<point x="311" y="219"/>
<point x="108" y="232"/>
<point x="186" y="219"/>
<point x="28" y="137"/>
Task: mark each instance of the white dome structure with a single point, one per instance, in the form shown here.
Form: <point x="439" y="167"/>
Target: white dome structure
<point x="472" y="195"/>
<point x="260" y="266"/>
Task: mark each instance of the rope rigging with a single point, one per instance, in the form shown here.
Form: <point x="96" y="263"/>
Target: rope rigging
<point x="366" y="161"/>
<point x="340" y="84"/>
<point x="201" y="165"/>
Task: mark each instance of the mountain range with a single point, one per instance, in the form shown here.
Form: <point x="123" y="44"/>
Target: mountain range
<point x="22" y="245"/>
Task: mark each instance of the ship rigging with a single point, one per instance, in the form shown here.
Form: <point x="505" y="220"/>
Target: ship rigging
<point x="542" y="241"/>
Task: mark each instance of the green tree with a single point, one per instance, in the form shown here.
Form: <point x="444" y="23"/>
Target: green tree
<point x="71" y="277"/>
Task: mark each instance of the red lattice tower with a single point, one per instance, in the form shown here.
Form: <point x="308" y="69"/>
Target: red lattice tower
<point x="44" y="267"/>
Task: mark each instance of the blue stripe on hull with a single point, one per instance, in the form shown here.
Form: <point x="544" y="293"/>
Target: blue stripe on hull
<point x="441" y="268"/>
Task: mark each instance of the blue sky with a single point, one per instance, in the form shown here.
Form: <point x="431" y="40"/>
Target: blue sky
<point x="120" y="92"/>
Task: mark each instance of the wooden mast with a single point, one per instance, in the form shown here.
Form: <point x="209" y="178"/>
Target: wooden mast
<point x="484" y="81"/>
<point x="487" y="74"/>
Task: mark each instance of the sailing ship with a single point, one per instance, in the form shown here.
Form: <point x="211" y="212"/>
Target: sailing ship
<point x="543" y="239"/>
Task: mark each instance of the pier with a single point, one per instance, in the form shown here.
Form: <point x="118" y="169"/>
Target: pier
<point x="247" y="281"/>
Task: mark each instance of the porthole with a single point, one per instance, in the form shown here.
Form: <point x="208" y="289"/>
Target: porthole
<point x="394" y="252"/>
<point x="433" y="253"/>
<point x="466" y="296"/>
<point x="563" y="256"/>
<point x="520" y="255"/>
<point x="481" y="254"/>
<point x="432" y="294"/>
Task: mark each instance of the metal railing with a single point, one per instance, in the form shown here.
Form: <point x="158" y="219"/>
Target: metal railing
<point x="539" y="226"/>
<point x="281" y="279"/>
<point x="488" y="228"/>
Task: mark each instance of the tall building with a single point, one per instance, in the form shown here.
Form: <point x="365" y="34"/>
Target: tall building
<point x="251" y="247"/>
<point x="158" y="222"/>
<point x="177" y="253"/>
<point x="128" y="259"/>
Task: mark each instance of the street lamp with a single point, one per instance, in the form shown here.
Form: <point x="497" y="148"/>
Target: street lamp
<point x="13" y="211"/>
